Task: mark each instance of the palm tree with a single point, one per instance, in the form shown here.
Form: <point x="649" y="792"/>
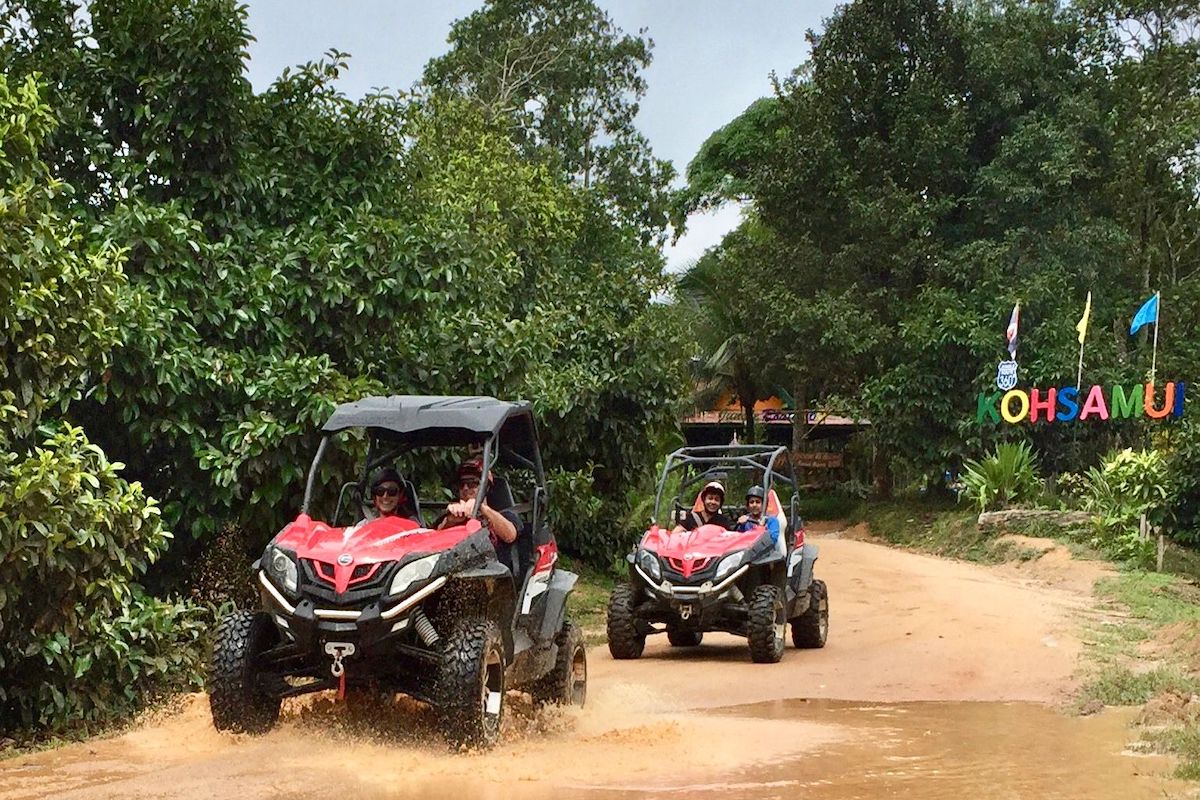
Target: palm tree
<point x="731" y="354"/>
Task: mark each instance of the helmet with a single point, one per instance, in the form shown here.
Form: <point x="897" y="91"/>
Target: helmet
<point x="385" y="474"/>
<point x="756" y="491"/>
<point x="713" y="486"/>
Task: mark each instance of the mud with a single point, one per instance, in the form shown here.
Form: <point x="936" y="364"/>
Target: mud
<point x="940" y="680"/>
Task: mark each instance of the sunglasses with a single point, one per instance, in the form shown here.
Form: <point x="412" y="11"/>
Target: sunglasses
<point x="387" y="491"/>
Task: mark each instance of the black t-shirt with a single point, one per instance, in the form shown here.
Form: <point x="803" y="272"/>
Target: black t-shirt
<point x="692" y="520"/>
<point x="508" y="553"/>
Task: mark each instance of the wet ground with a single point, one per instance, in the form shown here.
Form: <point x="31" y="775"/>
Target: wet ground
<point x="941" y="680"/>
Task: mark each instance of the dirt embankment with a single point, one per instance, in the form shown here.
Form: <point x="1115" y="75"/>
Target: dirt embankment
<point x="904" y="628"/>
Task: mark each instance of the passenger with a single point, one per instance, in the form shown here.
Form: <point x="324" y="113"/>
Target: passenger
<point x="387" y="496"/>
<point x="754" y="517"/>
<point x="711" y="496"/>
<point x="502" y="525"/>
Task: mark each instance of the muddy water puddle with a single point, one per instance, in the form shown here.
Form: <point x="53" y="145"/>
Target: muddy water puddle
<point x="630" y="743"/>
<point x="935" y="750"/>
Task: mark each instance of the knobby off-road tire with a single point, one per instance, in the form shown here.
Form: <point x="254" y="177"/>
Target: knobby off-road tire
<point x="566" y="684"/>
<point x="766" y="625"/>
<point x="679" y="638"/>
<point x="811" y="629"/>
<point x="624" y="640"/>
<point x="236" y="695"/>
<point x="470" y="684"/>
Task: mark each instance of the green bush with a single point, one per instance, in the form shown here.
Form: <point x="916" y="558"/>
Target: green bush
<point x="1184" y="483"/>
<point x="79" y="640"/>
<point x="582" y="521"/>
<point x="1009" y="474"/>
<point x="1127" y="485"/>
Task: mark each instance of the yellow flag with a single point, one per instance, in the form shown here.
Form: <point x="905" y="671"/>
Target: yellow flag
<point x="1083" y="322"/>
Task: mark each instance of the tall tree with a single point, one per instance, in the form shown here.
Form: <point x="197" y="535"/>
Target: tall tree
<point x="568" y="81"/>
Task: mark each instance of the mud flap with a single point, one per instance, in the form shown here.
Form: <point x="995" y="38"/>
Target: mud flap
<point x="561" y="585"/>
<point x="800" y="575"/>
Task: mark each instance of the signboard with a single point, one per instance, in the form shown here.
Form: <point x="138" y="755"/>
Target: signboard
<point x="1068" y="403"/>
<point x="817" y="460"/>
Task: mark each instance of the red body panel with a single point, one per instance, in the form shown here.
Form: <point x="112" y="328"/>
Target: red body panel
<point x="383" y="539"/>
<point x="692" y="550"/>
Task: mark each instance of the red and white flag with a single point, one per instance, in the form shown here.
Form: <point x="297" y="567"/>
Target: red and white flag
<point x="1011" y="334"/>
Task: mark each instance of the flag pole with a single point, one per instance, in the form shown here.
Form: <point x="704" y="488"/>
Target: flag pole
<point x="1157" y="323"/>
<point x="1079" y="374"/>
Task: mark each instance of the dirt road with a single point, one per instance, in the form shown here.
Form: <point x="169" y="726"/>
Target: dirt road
<point x="880" y="711"/>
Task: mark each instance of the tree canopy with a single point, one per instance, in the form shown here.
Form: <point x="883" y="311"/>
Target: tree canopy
<point x="932" y="164"/>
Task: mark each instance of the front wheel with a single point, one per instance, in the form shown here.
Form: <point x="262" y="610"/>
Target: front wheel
<point x="766" y="625"/>
<point x="811" y="629"/>
<point x="566" y="684"/>
<point x="236" y="695"/>
<point x="470" y="687"/>
<point x="624" y="640"/>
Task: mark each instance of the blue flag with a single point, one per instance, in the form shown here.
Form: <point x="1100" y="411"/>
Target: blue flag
<point x="1146" y="314"/>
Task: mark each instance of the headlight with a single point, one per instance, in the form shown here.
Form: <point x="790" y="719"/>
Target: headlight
<point x="282" y="569"/>
<point x="729" y="564"/>
<point x="648" y="561"/>
<point x="412" y="572"/>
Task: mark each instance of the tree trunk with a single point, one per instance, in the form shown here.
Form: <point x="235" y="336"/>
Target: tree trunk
<point x="748" y="416"/>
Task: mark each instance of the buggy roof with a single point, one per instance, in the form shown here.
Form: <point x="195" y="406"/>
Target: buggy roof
<point x="425" y="420"/>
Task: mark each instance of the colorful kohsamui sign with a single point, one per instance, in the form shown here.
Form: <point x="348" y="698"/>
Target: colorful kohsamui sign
<point x="1068" y="403"/>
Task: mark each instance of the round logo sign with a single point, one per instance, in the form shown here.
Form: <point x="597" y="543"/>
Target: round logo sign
<point x="344" y="559"/>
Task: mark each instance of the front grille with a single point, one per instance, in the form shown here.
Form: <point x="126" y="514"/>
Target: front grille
<point x="368" y="582"/>
<point x="698" y="565"/>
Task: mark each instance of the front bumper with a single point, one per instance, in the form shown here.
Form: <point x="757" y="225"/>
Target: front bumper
<point x="687" y="599"/>
<point x="310" y="626"/>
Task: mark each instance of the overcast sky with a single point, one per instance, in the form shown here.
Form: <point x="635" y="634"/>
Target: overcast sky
<point x="711" y="60"/>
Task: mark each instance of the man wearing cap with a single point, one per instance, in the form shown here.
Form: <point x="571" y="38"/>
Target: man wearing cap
<point x="755" y="498"/>
<point x="711" y="496"/>
<point x="502" y="525"/>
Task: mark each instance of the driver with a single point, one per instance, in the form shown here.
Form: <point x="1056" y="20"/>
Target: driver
<point x="753" y="518"/>
<point x="502" y="525"/>
<point x="387" y="496"/>
<point x="712" y="496"/>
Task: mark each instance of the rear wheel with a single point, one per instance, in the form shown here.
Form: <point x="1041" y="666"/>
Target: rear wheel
<point x="679" y="638"/>
<point x="470" y="687"/>
<point x="566" y="684"/>
<point x="236" y="694"/>
<point x="766" y="625"/>
<point x="624" y="640"/>
<point x="810" y="629"/>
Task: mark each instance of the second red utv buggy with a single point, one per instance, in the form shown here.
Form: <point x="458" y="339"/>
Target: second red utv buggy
<point x="445" y="616"/>
<point x="686" y="583"/>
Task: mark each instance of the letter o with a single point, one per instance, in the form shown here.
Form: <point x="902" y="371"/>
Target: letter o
<point x="1021" y="396"/>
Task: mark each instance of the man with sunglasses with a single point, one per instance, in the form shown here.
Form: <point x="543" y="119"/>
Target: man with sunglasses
<point x="502" y="525"/>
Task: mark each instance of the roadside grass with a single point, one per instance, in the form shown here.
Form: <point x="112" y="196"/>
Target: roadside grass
<point x="588" y="602"/>
<point x="943" y="529"/>
<point x="828" y="505"/>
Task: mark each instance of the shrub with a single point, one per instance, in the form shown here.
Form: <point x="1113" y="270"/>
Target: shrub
<point x="578" y="516"/>
<point x="1127" y="485"/>
<point x="1009" y="474"/>
<point x="1184" y="483"/>
<point x="78" y="638"/>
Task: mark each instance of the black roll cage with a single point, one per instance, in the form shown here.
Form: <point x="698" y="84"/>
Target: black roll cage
<point x="711" y="461"/>
<point x="493" y="452"/>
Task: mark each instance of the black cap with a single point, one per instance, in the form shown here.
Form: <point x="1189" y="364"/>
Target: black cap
<point x="756" y="491"/>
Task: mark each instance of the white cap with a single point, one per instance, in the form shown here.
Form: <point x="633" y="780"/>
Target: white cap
<point x="713" y="486"/>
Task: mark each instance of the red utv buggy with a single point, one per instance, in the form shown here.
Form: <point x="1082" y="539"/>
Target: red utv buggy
<point x="394" y="604"/>
<point x="748" y="583"/>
